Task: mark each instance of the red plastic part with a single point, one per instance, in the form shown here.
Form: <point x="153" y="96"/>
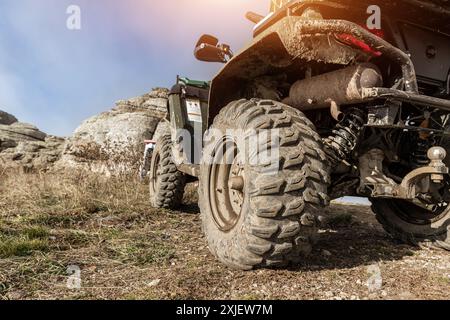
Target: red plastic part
<point x="355" y="42"/>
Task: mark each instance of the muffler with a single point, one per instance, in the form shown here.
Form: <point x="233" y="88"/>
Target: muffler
<point x="341" y="87"/>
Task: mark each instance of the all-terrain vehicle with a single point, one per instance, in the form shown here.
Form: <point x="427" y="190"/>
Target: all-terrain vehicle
<point x="324" y="102"/>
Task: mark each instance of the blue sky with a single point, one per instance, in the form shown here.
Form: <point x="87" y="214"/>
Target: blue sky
<point x="55" y="78"/>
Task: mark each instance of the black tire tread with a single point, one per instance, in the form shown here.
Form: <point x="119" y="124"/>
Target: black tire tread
<point x="382" y="213"/>
<point x="169" y="194"/>
<point x="283" y="222"/>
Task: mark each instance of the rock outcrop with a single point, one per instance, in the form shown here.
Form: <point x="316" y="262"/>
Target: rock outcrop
<point x="113" y="141"/>
<point x="6" y="118"/>
<point x="25" y="147"/>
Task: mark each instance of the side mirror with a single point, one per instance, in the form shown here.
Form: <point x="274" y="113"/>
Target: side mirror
<point x="208" y="49"/>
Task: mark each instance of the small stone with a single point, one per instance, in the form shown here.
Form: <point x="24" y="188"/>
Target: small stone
<point x="326" y="253"/>
<point x="154" y="283"/>
<point x="16" y="295"/>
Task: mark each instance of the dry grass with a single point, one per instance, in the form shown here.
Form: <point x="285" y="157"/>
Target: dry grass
<point x="51" y="217"/>
<point x="110" y="157"/>
<point x="127" y="250"/>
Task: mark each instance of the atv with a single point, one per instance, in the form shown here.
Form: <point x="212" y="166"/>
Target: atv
<point x="318" y="106"/>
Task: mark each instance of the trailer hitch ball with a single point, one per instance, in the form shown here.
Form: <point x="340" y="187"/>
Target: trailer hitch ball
<point x="437" y="156"/>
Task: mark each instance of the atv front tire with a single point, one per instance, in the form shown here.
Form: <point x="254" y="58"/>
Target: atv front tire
<point x="413" y="225"/>
<point x="253" y="218"/>
<point x="166" y="182"/>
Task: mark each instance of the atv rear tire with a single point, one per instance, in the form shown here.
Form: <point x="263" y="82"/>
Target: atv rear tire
<point x="166" y="182"/>
<point x="253" y="219"/>
<point x="413" y="225"/>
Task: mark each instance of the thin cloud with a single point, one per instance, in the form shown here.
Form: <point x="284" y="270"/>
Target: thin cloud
<point x="55" y="78"/>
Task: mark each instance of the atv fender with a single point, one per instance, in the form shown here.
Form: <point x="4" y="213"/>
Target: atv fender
<point x="276" y="48"/>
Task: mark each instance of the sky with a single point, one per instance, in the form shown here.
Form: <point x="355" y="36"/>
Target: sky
<point x="55" y="78"/>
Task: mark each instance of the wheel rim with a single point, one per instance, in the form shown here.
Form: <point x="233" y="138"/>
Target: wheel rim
<point x="411" y="213"/>
<point x="415" y="214"/>
<point x="226" y="185"/>
<point x="155" y="173"/>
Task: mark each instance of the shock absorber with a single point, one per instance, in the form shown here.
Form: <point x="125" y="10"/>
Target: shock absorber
<point x="340" y="145"/>
<point x="423" y="142"/>
<point x="419" y="155"/>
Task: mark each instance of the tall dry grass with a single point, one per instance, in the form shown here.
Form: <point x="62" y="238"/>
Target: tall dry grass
<point x="77" y="191"/>
<point x="34" y="207"/>
<point x="49" y="221"/>
<point x="111" y="158"/>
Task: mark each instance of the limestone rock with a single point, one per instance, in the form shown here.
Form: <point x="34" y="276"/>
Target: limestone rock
<point x="24" y="146"/>
<point x="113" y="141"/>
<point x="156" y="100"/>
<point x="6" y="118"/>
<point x="162" y="128"/>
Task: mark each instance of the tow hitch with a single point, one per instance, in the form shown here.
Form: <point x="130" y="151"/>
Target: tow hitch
<point x="419" y="181"/>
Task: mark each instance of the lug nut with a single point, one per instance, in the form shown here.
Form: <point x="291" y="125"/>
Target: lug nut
<point x="236" y="183"/>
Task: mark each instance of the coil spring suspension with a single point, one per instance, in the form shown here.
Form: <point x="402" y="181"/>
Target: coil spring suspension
<point x="340" y="145"/>
<point x="419" y="155"/>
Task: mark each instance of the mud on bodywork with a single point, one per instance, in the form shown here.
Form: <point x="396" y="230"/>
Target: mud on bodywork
<point x="279" y="50"/>
<point x="305" y="33"/>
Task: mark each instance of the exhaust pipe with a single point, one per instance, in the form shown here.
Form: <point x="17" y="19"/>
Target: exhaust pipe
<point x="333" y="89"/>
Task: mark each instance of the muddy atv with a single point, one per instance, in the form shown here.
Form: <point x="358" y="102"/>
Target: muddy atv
<point x="324" y="102"/>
